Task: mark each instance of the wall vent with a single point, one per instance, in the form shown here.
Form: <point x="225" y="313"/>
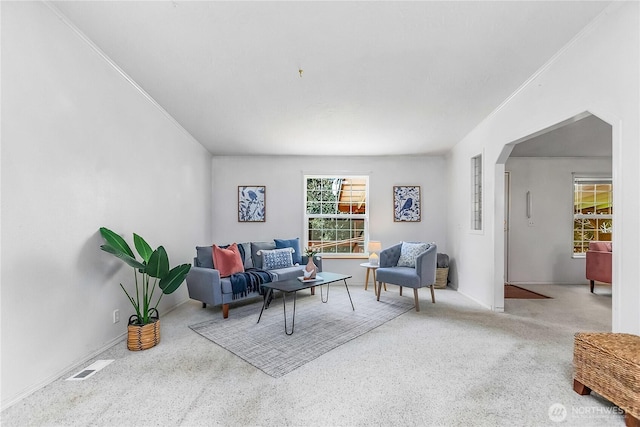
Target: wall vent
<point x="90" y="370"/>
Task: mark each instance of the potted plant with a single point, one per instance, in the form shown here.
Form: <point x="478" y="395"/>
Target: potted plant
<point x="143" y="328"/>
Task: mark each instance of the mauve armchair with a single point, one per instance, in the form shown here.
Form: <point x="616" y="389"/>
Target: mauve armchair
<point x="424" y="273"/>
<point x="599" y="263"/>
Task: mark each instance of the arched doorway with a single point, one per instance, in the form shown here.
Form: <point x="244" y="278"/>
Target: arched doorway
<point x="533" y="236"/>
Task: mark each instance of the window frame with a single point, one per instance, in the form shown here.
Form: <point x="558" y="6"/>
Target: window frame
<point x="364" y="216"/>
<point x="588" y="178"/>
<point x="477" y="194"/>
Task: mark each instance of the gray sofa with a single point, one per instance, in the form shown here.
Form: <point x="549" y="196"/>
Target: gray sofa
<point x="205" y="284"/>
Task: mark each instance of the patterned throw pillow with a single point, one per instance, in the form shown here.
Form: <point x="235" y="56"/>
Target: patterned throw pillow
<point x="276" y="258"/>
<point x="410" y="252"/>
<point x="293" y="244"/>
<point x="259" y="246"/>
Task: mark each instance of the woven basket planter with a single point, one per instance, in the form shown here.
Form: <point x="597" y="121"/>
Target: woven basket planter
<point x="143" y="337"/>
<point x="442" y="275"/>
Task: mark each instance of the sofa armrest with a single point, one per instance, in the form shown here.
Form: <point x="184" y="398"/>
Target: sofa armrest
<point x="426" y="264"/>
<point x="598" y="266"/>
<point x="204" y="285"/>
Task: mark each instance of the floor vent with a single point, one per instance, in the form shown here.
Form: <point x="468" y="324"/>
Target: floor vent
<point x="90" y="370"/>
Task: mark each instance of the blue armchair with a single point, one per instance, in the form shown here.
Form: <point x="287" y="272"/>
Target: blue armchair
<point x="422" y="274"/>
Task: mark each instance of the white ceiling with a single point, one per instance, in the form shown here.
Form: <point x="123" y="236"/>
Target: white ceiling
<point x="378" y="78"/>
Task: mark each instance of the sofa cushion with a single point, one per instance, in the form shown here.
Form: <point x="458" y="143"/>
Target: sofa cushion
<point x="245" y="251"/>
<point x="258" y="246"/>
<point x="204" y="256"/>
<point x="276" y="258"/>
<point x="287" y="273"/>
<point x="293" y="244"/>
<point x="227" y="261"/>
<point x="409" y="252"/>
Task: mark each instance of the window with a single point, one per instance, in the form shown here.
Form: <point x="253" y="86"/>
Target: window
<point x="337" y="213"/>
<point x="476" y="192"/>
<point x="592" y="211"/>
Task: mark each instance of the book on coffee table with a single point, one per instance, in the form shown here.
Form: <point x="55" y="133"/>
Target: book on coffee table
<point x="317" y="279"/>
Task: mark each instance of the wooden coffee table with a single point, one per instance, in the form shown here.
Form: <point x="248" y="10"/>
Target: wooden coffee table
<point x="295" y="285"/>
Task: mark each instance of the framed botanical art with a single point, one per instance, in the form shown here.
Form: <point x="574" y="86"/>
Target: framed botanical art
<point x="251" y="203"/>
<point x="406" y="203"/>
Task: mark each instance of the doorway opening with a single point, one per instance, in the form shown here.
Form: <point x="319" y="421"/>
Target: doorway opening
<point x="538" y="216"/>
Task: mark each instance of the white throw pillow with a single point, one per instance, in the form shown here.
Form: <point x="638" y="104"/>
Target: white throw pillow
<point x="409" y="252"/>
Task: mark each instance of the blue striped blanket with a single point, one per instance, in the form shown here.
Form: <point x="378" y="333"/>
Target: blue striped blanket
<point x="249" y="281"/>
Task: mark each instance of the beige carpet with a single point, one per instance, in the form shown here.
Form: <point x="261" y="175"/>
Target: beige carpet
<point x="318" y="327"/>
<point x="454" y="363"/>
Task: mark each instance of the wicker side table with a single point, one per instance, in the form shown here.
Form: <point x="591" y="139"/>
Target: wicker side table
<point x="609" y="364"/>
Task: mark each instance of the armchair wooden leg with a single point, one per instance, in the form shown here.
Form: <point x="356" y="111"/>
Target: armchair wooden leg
<point x="592" y="283"/>
<point x="433" y="295"/>
<point x="400" y="290"/>
<point x="415" y="297"/>
<point x="378" y="289"/>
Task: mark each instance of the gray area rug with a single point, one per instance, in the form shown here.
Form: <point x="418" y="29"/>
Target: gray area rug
<point x="319" y="327"/>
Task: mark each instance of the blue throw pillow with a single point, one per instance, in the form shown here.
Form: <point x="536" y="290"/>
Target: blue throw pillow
<point x="291" y="243"/>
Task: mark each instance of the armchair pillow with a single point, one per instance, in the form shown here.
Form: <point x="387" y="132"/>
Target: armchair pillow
<point x="293" y="244"/>
<point x="276" y="258"/>
<point x="409" y="252"/>
<point x="227" y="261"/>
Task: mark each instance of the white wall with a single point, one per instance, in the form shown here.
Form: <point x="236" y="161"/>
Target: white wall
<point x="597" y="72"/>
<point x="81" y="148"/>
<point x="283" y="178"/>
<point x="542" y="253"/>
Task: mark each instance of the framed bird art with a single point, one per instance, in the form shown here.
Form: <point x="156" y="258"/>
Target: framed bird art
<point x="406" y="203"/>
<point x="251" y="203"/>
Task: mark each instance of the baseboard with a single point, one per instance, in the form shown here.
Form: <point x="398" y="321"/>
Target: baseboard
<point x="488" y="307"/>
<point x="511" y="282"/>
<point x="73" y="367"/>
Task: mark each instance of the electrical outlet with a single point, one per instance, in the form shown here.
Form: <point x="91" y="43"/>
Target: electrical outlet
<point x="531" y="223"/>
<point x="116" y="315"/>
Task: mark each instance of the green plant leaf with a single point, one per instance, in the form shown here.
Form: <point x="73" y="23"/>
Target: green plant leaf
<point x="130" y="260"/>
<point x="142" y="247"/>
<point x="116" y="242"/>
<point x="158" y="264"/>
<point x="174" y="279"/>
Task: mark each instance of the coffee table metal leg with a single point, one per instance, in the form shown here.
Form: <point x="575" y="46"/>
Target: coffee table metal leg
<point x="264" y="303"/>
<point x="349" y="293"/>
<point x="293" y="318"/>
<point x="321" y="297"/>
